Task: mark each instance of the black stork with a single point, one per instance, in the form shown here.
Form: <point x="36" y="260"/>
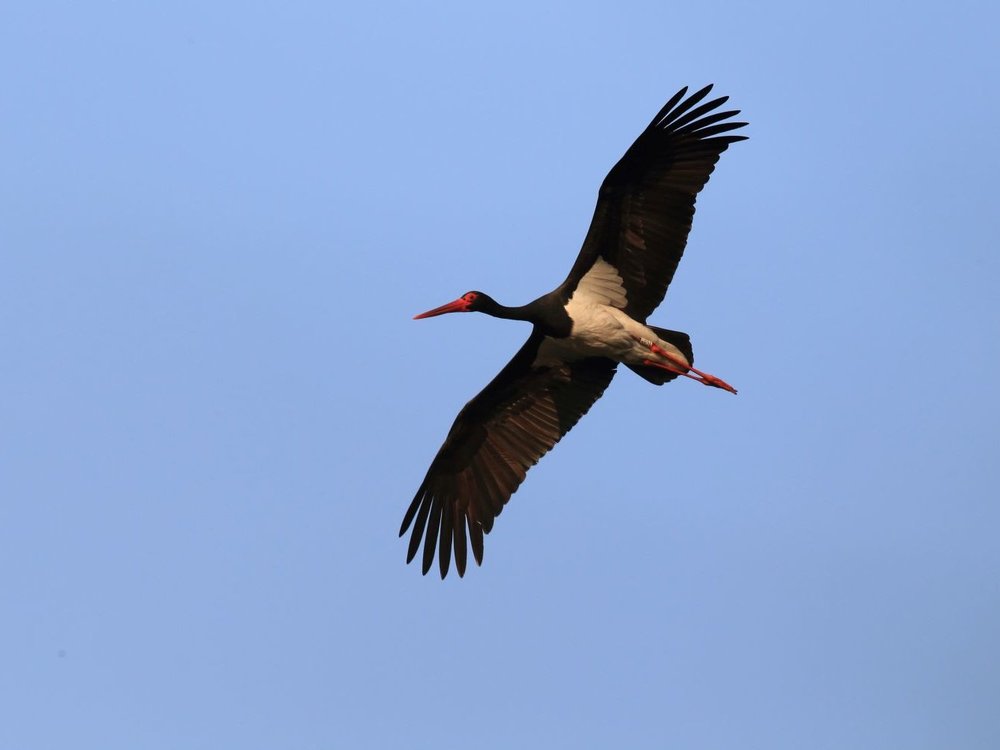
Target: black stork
<point x="581" y="331"/>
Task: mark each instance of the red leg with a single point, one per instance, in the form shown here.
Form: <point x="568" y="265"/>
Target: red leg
<point x="680" y="367"/>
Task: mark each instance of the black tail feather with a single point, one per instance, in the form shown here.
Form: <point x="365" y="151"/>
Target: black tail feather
<point x="659" y="376"/>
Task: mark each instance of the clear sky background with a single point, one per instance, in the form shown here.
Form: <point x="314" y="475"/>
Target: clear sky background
<point x="216" y="221"/>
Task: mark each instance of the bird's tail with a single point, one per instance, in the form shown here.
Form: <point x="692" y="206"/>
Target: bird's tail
<point x="656" y="375"/>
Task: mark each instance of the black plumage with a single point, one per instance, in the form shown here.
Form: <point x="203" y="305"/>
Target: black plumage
<point x="640" y="227"/>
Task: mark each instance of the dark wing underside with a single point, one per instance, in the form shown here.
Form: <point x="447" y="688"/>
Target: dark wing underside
<point x="496" y="438"/>
<point x="646" y="203"/>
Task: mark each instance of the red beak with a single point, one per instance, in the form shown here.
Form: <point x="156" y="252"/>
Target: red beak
<point x="459" y="305"/>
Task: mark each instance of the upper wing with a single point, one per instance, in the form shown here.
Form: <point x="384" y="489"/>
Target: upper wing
<point x="646" y="203"/>
<point x="496" y="438"/>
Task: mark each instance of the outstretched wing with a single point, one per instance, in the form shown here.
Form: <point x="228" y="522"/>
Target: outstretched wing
<point x="496" y="438"/>
<point x="646" y="203"/>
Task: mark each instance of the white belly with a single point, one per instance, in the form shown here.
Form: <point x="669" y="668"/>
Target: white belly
<point x="600" y="326"/>
<point x="602" y="331"/>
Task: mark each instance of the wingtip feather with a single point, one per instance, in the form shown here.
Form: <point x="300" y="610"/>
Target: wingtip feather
<point x="444" y="545"/>
<point x="430" y="541"/>
<point x="684" y="106"/>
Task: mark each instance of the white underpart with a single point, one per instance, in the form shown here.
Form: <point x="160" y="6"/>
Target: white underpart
<point x="600" y="326"/>
<point x="601" y="285"/>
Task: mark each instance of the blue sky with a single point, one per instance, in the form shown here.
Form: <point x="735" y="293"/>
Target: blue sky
<point x="217" y="222"/>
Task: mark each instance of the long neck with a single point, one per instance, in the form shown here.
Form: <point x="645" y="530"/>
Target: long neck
<point x="545" y="313"/>
<point x="496" y="310"/>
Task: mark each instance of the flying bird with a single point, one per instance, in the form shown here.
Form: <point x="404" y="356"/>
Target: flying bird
<point x="581" y="331"/>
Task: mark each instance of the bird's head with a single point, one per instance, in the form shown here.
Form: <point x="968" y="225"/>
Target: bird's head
<point x="468" y="302"/>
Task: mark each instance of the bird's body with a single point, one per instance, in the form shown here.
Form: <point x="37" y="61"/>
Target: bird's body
<point x="599" y="325"/>
<point x="582" y="330"/>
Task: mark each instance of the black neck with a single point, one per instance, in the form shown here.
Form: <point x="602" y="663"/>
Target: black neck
<point x="547" y="313"/>
<point x="496" y="310"/>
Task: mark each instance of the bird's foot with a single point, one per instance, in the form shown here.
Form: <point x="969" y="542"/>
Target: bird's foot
<point x="681" y="367"/>
<point x="716" y="382"/>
